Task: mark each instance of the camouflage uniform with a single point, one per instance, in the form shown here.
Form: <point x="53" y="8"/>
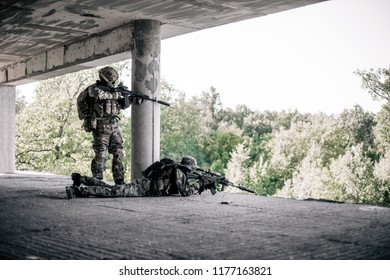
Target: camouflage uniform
<point x="103" y="122"/>
<point x="90" y="186"/>
<point x="172" y="181"/>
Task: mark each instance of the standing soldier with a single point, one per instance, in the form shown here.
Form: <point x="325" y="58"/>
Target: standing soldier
<point x="99" y="108"/>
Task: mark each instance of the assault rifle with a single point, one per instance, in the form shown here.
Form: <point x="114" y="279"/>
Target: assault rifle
<point x="212" y="179"/>
<point x="131" y="94"/>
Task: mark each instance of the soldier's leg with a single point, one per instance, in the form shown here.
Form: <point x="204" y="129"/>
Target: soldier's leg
<point x="84" y="186"/>
<point x="98" y="190"/>
<point x="100" y="146"/>
<point x="78" y="179"/>
<point x="138" y="187"/>
<point x="116" y="149"/>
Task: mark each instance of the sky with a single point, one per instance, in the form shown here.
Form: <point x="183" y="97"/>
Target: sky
<point x="300" y="59"/>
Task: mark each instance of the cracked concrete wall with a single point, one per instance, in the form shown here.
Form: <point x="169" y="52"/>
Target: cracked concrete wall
<point x="116" y="43"/>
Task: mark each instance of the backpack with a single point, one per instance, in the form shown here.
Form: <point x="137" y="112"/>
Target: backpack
<point x="156" y="170"/>
<point x="83" y="104"/>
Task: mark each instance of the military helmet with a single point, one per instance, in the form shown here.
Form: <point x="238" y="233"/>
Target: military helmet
<point x="190" y="162"/>
<point x="109" y="75"/>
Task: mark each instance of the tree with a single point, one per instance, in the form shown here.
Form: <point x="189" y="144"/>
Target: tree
<point x="381" y="130"/>
<point x="376" y="82"/>
<point x="352" y="179"/>
<point x="218" y="146"/>
<point x="309" y="180"/>
<point x="181" y="127"/>
<point x="236" y="116"/>
<point x="382" y="175"/>
<point x="358" y="126"/>
<point x="235" y="170"/>
<point x="20" y="102"/>
<point x="48" y="132"/>
<point x="210" y="108"/>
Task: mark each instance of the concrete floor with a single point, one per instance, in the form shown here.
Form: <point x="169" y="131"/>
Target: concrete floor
<point x="39" y="222"/>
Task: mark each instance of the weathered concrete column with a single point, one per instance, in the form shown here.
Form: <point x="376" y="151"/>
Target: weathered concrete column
<point x="7" y="129"/>
<point x="145" y="118"/>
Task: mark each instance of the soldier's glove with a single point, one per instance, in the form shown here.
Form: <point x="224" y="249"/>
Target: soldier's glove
<point x="209" y="184"/>
<point x="212" y="187"/>
<point x="200" y="187"/>
<point x="136" y="100"/>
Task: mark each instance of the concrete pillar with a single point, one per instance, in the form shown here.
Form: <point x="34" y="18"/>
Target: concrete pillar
<point x="145" y="118"/>
<point x="7" y="129"/>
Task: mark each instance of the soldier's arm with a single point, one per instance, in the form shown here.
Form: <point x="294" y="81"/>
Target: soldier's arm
<point x="99" y="94"/>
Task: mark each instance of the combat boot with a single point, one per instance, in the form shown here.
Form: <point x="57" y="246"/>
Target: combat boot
<point x="70" y="192"/>
<point x="119" y="182"/>
<point x="74" y="191"/>
<point x="76" y="177"/>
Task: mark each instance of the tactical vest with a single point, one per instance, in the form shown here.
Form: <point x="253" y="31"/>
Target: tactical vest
<point x="95" y="105"/>
<point x="105" y="103"/>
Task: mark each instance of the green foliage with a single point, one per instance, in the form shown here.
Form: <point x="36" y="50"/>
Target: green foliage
<point x="237" y="116"/>
<point x="49" y="134"/>
<point x="351" y="178"/>
<point x="181" y="132"/>
<point x="20" y="103"/>
<point x="308" y="180"/>
<point x="236" y="171"/>
<point x="193" y="127"/>
<point x="381" y="130"/>
<point x="218" y="146"/>
<point x="376" y="82"/>
<point x="382" y="177"/>
<point x="269" y="183"/>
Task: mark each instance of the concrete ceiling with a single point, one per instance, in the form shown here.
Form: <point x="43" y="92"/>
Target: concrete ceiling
<point x="31" y="27"/>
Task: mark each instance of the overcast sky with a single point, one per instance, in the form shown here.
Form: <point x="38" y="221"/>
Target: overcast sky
<point x="299" y="59"/>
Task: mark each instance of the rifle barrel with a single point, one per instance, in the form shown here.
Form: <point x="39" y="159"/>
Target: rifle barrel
<point x="245" y="189"/>
<point x="163" y="103"/>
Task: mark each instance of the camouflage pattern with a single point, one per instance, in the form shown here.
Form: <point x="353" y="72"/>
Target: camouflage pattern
<point x="190" y="162"/>
<point x="109" y="75"/>
<point x="182" y="185"/>
<point x="139" y="187"/>
<point x="178" y="184"/>
<point x="107" y="136"/>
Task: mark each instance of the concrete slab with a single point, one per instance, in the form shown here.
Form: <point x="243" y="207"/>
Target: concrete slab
<point x="39" y="222"/>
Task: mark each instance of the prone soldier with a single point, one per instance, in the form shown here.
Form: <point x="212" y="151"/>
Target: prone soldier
<point x="162" y="178"/>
